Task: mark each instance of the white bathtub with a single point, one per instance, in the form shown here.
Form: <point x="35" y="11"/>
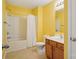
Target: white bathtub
<point x="16" y="45"/>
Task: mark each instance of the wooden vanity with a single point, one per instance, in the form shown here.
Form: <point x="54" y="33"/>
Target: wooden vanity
<point x="54" y="50"/>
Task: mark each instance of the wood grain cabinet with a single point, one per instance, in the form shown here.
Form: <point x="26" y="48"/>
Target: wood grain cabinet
<point x="54" y="50"/>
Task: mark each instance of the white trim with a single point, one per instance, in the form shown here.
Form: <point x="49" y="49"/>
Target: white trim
<point x="71" y="27"/>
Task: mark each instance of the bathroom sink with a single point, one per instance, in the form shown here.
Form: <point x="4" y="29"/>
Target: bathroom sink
<point x="57" y="37"/>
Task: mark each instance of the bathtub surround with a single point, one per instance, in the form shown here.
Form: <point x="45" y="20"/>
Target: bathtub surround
<point x="26" y="32"/>
<point x="12" y="30"/>
<point x="16" y="45"/>
<point x="16" y="29"/>
<point x="22" y="27"/>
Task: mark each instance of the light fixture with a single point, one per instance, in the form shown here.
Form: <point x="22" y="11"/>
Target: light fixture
<point x="59" y="3"/>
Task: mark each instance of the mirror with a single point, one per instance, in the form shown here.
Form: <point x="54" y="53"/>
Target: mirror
<point x="59" y="16"/>
<point x="59" y="20"/>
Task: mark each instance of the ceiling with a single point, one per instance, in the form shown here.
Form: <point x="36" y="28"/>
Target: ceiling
<point x="28" y="3"/>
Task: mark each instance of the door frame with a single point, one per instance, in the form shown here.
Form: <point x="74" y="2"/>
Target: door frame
<point x="67" y="18"/>
<point x="4" y="28"/>
<point x="71" y="26"/>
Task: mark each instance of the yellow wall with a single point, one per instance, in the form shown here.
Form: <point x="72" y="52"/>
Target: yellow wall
<point x="49" y="19"/>
<point x="45" y="20"/>
<point x="40" y="24"/>
<point x="60" y="16"/>
<point x="66" y="29"/>
<point x="35" y="11"/>
<point x="19" y="11"/>
<point x="39" y="13"/>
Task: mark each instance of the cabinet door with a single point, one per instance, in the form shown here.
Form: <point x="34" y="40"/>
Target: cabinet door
<point x="58" y="54"/>
<point x="49" y="51"/>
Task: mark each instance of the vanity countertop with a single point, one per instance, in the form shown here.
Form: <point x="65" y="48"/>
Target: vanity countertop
<point x="55" y="39"/>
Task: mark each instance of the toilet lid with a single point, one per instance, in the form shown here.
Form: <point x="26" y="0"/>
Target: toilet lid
<point x="40" y="43"/>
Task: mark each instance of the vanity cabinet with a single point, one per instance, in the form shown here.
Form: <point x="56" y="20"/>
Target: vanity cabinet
<point x="54" y="50"/>
<point x="49" y="51"/>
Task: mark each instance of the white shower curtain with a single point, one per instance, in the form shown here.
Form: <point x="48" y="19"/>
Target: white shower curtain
<point x="31" y="30"/>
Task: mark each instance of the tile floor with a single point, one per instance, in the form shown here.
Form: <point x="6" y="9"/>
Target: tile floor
<point x="28" y="53"/>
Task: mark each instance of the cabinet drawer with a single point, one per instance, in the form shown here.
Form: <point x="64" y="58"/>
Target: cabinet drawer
<point x="52" y="43"/>
<point x="60" y="46"/>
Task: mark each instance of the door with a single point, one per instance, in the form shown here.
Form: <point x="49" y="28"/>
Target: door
<point x="72" y="29"/>
<point x="49" y="51"/>
<point x="58" y="54"/>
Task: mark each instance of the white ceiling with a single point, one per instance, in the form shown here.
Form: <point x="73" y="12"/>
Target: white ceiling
<point x="28" y="3"/>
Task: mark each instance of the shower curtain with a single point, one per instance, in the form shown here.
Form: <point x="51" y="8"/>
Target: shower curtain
<point x="31" y="30"/>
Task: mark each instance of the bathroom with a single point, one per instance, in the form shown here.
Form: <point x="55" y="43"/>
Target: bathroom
<point x="27" y="28"/>
<point x="34" y="30"/>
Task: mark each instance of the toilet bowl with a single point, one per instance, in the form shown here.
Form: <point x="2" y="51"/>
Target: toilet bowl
<point x="40" y="44"/>
<point x="40" y="47"/>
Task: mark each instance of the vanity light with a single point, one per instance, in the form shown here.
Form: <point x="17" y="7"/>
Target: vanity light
<point x="59" y="4"/>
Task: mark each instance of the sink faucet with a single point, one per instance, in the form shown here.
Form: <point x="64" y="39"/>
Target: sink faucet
<point x="61" y="36"/>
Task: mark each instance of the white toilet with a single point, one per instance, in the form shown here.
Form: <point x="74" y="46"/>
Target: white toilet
<point x="31" y="32"/>
<point x="40" y="44"/>
<point x="40" y="47"/>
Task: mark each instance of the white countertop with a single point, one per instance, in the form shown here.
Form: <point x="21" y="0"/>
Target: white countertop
<point x="60" y="40"/>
